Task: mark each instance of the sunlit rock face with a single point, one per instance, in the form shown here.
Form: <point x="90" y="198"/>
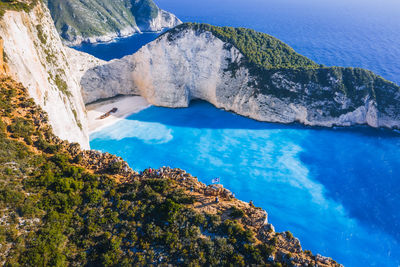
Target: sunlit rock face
<point x="188" y="64"/>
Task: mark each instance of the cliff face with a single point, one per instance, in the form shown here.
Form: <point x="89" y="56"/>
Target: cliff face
<point x="168" y="74"/>
<point x="186" y="64"/>
<point x="103" y="20"/>
<point x="36" y="58"/>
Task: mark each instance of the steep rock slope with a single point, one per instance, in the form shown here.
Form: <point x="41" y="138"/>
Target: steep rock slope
<point x="36" y="57"/>
<point x="250" y="73"/>
<point x="102" y="20"/>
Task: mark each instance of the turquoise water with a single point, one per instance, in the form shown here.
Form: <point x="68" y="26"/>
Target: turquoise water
<point x="338" y="190"/>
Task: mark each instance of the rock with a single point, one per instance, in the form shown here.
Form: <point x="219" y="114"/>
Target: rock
<point x="323" y="259"/>
<point x="269" y="228"/>
<point x="163" y="20"/>
<point x="257" y="217"/>
<point x="186" y="64"/>
<point x="213" y="190"/>
<point x="218" y="190"/>
<point x="37" y="58"/>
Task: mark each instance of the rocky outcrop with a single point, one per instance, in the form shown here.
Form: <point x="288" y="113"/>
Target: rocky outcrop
<point x="37" y="59"/>
<point x="162" y="20"/>
<point x="186" y="64"/>
<point x="287" y="248"/>
<point x="92" y="21"/>
<point x="72" y="38"/>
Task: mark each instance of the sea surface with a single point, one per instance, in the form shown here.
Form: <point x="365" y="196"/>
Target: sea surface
<point x="337" y="190"/>
<point x="119" y="47"/>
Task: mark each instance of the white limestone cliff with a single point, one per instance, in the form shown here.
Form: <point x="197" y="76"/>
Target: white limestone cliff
<point x="164" y="19"/>
<point x="77" y="40"/>
<point x="171" y="72"/>
<point x="37" y="58"/>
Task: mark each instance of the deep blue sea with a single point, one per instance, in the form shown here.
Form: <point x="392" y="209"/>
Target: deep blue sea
<point x="118" y="48"/>
<point x="337" y="190"/>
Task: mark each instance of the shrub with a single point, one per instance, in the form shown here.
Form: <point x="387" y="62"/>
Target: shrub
<point x="289" y="235"/>
<point x="2" y="129"/>
<point x="169" y="210"/>
<point x="21" y="128"/>
<point x="11" y="196"/>
<point x="114" y="167"/>
<point x="236" y="212"/>
<point x="47" y="147"/>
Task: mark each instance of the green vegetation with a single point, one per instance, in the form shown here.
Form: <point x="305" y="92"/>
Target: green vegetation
<point x="259" y="48"/>
<point x="5" y="56"/>
<point x="78" y="122"/>
<point x="289" y="235"/>
<point x="62" y="85"/>
<point x="41" y="35"/>
<point x="17" y="5"/>
<point x="89" y="17"/>
<point x="236" y="212"/>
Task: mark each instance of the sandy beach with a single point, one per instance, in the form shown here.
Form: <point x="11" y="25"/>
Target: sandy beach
<point x="126" y="106"/>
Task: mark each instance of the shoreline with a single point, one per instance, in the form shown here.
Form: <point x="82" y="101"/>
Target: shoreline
<point x="126" y="105"/>
<point x="107" y="39"/>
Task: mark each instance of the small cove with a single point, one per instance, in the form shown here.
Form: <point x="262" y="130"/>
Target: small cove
<point x="337" y="190"/>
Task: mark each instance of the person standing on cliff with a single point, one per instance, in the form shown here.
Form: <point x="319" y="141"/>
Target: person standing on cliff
<point x="251" y="203"/>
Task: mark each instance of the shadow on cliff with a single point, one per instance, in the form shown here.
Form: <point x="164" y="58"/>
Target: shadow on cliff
<point x="203" y="115"/>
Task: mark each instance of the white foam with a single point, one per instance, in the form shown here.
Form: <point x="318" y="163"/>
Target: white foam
<point x="148" y="132"/>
